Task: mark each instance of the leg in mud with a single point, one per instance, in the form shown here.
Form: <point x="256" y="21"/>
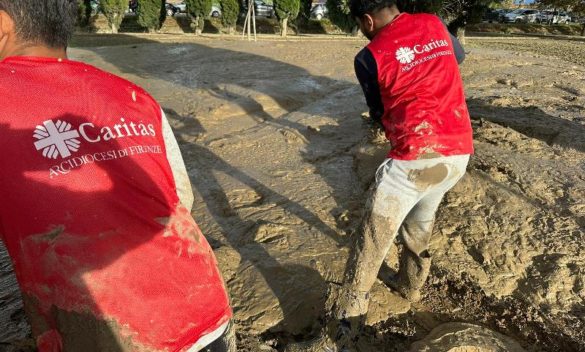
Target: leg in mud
<point x="386" y="208"/>
<point x="417" y="229"/>
<point x="415" y="261"/>
<point x="226" y="343"/>
<point x="367" y="255"/>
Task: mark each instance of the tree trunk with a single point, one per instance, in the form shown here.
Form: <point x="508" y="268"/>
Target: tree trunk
<point x="199" y="22"/>
<point x="283" y="27"/>
<point x="461" y="35"/>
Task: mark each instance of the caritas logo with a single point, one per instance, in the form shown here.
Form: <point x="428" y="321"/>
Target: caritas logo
<point x="59" y="138"/>
<point x="407" y="55"/>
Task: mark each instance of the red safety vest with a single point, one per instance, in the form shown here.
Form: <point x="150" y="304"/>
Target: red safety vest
<point x="421" y="89"/>
<point x="90" y="214"/>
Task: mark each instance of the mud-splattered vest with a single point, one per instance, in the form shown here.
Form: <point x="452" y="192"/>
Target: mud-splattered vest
<point x="105" y="255"/>
<point x="421" y="89"/>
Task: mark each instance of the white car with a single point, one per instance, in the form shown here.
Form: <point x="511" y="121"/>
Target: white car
<point x="215" y="11"/>
<point x="554" y="17"/>
<point x="521" y="16"/>
<point x="319" y="11"/>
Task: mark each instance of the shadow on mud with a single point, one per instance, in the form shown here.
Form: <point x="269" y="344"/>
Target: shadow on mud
<point x="301" y="285"/>
<point x="206" y="165"/>
<point x="532" y="122"/>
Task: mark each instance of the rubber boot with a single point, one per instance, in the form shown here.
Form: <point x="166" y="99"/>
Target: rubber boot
<point x="412" y="274"/>
<point x="351" y="304"/>
<point x="336" y="336"/>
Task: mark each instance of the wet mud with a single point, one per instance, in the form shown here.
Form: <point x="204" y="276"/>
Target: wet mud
<point x="280" y="161"/>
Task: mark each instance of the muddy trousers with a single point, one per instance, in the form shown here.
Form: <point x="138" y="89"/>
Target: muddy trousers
<point x="405" y="198"/>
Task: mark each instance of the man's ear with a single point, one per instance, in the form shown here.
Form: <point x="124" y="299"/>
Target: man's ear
<point x="368" y="21"/>
<point x="7" y="30"/>
<point x="6" y="23"/>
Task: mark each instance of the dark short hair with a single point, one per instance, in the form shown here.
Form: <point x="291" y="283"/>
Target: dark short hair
<point x="359" y="8"/>
<point x="48" y="22"/>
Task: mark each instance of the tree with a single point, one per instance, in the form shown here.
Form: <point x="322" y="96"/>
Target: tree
<point x="230" y="9"/>
<point x="304" y="12"/>
<point x="199" y="11"/>
<point x="456" y="13"/>
<point x="340" y="16"/>
<point x="286" y="10"/>
<point x="579" y="9"/>
<point x="83" y="12"/>
<point x="114" y="11"/>
<point x="151" y="14"/>
<point x="558" y="4"/>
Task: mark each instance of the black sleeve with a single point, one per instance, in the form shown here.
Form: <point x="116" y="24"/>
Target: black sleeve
<point x="366" y="71"/>
<point x="458" y="48"/>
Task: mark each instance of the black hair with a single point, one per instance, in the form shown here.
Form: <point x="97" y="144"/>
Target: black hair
<point x="48" y="22"/>
<point x="359" y="8"/>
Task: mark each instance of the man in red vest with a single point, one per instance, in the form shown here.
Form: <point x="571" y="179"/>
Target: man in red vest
<point x="410" y="77"/>
<point x="96" y="202"/>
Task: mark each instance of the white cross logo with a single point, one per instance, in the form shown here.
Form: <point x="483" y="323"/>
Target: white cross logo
<point x="405" y="55"/>
<point x="56" y="139"/>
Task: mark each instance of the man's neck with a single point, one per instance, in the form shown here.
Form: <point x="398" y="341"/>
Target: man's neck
<point x="386" y="17"/>
<point x="40" y="51"/>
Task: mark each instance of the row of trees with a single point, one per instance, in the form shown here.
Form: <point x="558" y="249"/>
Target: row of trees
<point x="152" y="13"/>
<point x="456" y="13"/>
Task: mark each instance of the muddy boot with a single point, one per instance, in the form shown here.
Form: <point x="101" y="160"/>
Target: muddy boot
<point x="336" y="336"/>
<point x="412" y="274"/>
<point x="351" y="304"/>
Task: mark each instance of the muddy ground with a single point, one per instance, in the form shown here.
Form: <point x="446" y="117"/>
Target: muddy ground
<point x="280" y="156"/>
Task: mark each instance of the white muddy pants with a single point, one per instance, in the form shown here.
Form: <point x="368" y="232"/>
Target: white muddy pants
<point x="405" y="197"/>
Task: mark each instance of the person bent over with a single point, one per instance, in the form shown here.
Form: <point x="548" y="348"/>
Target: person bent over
<point x="96" y="202"/>
<point x="410" y="77"/>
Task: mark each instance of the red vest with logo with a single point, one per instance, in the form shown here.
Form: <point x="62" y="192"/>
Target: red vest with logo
<point x="90" y="214"/>
<point x="421" y="89"/>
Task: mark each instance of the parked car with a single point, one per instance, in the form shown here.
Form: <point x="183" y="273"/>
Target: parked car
<point x="215" y="11"/>
<point x="261" y="8"/>
<point x="503" y="13"/>
<point x="495" y="15"/>
<point x="170" y="8"/>
<point x="181" y="7"/>
<point x="553" y="17"/>
<point x="174" y="9"/>
<point x="562" y="17"/>
<point x="521" y="16"/>
<point x="319" y="11"/>
<point x="573" y="18"/>
<point x="492" y="15"/>
<point x="133" y="6"/>
<point x="95" y="7"/>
